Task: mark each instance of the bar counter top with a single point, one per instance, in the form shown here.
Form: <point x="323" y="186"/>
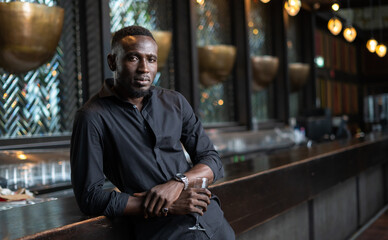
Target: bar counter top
<point x="255" y="188"/>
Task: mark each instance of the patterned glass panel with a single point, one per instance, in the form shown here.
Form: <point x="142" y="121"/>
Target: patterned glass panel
<point x="155" y="15"/>
<point x="43" y="101"/>
<point x="260" y="44"/>
<point x="214" y="37"/>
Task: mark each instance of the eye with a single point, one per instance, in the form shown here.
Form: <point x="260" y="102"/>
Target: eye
<point x="132" y="58"/>
<point x="152" y="59"/>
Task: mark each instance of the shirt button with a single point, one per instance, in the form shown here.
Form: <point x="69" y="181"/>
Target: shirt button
<point x="145" y="127"/>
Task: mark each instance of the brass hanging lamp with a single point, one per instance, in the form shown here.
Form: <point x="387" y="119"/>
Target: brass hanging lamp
<point x="29" y="35"/>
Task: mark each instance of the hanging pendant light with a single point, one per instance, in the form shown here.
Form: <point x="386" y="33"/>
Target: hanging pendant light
<point x="292" y="7"/>
<point x="371" y="45"/>
<point x="334" y="26"/>
<point x="335" y="7"/>
<point x="350" y="33"/>
<point x="265" y="1"/>
<point x="381" y="50"/>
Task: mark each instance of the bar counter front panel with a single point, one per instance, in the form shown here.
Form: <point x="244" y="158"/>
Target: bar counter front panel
<point x="256" y="188"/>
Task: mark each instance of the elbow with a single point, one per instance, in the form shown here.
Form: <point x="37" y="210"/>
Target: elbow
<point x="89" y="205"/>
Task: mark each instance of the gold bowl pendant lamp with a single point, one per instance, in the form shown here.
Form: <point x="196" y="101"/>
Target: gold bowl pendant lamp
<point x="215" y="63"/>
<point x="163" y="39"/>
<point x="264" y="70"/>
<point x="298" y="73"/>
<point x="29" y="35"/>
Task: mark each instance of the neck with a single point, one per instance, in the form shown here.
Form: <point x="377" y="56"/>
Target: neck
<point x="138" y="101"/>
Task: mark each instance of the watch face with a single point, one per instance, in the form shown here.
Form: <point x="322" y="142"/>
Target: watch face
<point x="180" y="175"/>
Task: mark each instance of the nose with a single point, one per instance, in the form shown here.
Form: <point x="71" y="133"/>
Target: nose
<point x="143" y="66"/>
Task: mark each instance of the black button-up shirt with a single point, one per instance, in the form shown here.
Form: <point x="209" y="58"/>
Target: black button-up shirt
<point x="135" y="150"/>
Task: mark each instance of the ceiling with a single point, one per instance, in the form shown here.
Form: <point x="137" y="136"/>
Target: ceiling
<point x="363" y="14"/>
<point x="326" y="4"/>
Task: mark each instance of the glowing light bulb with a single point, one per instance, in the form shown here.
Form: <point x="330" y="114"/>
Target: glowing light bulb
<point x="381" y="50"/>
<point x="292" y="7"/>
<point x="265" y="1"/>
<point x="334" y="26"/>
<point x="22" y="156"/>
<point x="350" y="34"/>
<point x="371" y="45"/>
<point x="335" y="7"/>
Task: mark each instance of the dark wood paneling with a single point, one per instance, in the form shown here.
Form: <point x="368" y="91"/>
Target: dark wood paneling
<point x="242" y="81"/>
<point x="309" y="94"/>
<point x="254" y="199"/>
<point x="105" y="37"/>
<point x="281" y="86"/>
<point x="251" y="201"/>
<point x="185" y="49"/>
<point x="378" y="230"/>
<point x="91" y="47"/>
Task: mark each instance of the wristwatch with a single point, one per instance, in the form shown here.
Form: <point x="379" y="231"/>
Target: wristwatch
<point x="182" y="178"/>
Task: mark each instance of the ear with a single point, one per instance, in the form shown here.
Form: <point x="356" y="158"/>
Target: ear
<point x="112" y="61"/>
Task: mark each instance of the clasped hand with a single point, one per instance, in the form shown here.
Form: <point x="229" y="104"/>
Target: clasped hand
<point x="170" y="195"/>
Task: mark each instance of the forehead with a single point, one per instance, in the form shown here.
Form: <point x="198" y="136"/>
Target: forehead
<point x="139" y="43"/>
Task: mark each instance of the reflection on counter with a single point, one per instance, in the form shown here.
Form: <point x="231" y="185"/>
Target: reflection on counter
<point x="228" y="144"/>
<point x="35" y="169"/>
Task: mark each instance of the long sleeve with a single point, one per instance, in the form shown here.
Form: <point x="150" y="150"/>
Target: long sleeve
<point x="86" y="158"/>
<point x="197" y="143"/>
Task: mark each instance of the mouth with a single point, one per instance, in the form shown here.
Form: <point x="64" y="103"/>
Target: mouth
<point x="142" y="81"/>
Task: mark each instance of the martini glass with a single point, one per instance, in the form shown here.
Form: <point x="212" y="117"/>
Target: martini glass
<point x="199" y="182"/>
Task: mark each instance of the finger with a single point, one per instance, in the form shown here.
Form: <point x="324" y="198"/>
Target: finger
<point x="204" y="191"/>
<point x="147" y="200"/>
<point x="151" y="205"/>
<point x="203" y="198"/>
<point x="158" y="207"/>
<point x="167" y="206"/>
<point x="194" y="209"/>
<point x="202" y="205"/>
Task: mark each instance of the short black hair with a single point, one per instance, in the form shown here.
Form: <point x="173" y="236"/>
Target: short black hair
<point x="129" y="31"/>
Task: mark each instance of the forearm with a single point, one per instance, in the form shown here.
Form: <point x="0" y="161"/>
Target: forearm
<point x="200" y="170"/>
<point x="134" y="206"/>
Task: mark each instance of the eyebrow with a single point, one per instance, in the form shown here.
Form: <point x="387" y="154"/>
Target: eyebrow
<point x="137" y="53"/>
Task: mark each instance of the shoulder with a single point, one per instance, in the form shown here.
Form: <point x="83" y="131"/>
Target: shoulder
<point x="169" y="96"/>
<point x="166" y="93"/>
<point x="92" y="110"/>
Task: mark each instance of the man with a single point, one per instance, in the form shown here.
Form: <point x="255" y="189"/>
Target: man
<point x="132" y="133"/>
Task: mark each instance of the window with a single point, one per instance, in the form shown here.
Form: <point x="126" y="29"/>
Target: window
<point x="43" y="102"/>
<point x="216" y="58"/>
<point x="264" y="65"/>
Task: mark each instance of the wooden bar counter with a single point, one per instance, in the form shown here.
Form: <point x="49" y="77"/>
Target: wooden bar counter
<point x="256" y="189"/>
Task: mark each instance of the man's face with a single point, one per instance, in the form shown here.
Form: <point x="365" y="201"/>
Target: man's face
<point x="136" y="65"/>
